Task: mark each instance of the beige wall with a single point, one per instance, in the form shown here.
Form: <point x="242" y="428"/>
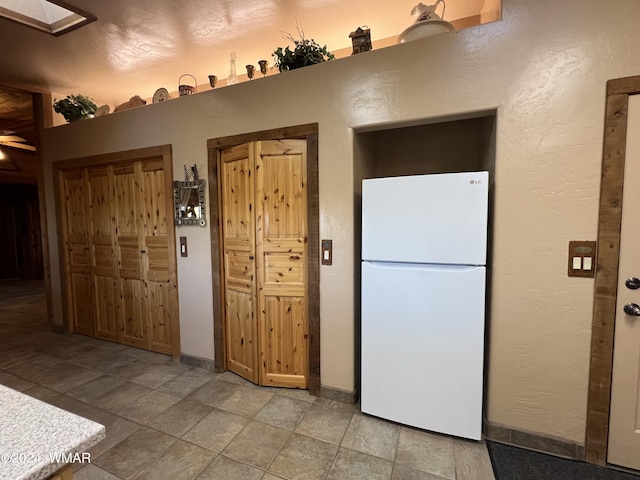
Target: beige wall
<point x="544" y="69"/>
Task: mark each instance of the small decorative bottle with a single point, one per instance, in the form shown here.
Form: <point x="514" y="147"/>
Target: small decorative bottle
<point x="233" y="78"/>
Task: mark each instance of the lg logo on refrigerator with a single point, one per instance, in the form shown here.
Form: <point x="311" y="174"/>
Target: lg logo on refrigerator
<point x="476" y="182"/>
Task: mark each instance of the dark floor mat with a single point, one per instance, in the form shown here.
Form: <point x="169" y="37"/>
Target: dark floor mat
<point x="513" y="463"/>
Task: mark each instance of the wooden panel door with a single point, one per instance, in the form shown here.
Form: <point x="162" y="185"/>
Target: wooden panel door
<point x="238" y="243"/>
<point x="624" y="420"/>
<point x="161" y="293"/>
<point x="103" y="275"/>
<point x="120" y="248"/>
<point x="77" y="249"/>
<point x="131" y="298"/>
<point x="281" y="239"/>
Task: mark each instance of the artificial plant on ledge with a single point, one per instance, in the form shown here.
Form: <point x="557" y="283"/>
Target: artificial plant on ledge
<point x="75" y="107"/>
<point x="306" y="52"/>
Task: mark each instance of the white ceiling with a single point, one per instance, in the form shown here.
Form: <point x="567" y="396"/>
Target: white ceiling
<point x="138" y="46"/>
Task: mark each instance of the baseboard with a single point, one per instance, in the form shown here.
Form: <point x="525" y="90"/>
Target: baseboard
<point x="533" y="441"/>
<point x="342" y="396"/>
<point x="197" y="361"/>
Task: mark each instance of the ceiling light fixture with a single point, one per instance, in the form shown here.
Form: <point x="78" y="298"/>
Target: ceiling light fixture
<point x="427" y="24"/>
<point x="52" y="16"/>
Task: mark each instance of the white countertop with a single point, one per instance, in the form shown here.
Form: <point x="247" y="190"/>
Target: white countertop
<point x="31" y="431"/>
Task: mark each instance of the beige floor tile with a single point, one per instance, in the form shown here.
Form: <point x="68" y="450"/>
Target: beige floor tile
<point x="69" y="349"/>
<point x="146" y="355"/>
<point x="68" y="376"/>
<point x="120" y="397"/>
<point x="283" y="412"/>
<point x="426" y="451"/>
<point x="11" y="358"/>
<point x="180" y="418"/>
<point x="216" y="430"/>
<point x="472" y="460"/>
<point x="258" y="444"/>
<point x="352" y="465"/>
<point x="135" y="452"/>
<point x="95" y="388"/>
<point x="234" y="378"/>
<point x="246" y="401"/>
<point x="116" y="428"/>
<point x="343" y="407"/>
<point x="186" y="382"/>
<point x="149" y="407"/>
<point x="39" y="369"/>
<point x="20" y="384"/>
<point x="126" y="367"/>
<point x="214" y="392"/>
<point x="102" y="360"/>
<point x="69" y="404"/>
<point x="402" y="472"/>
<point x="42" y="393"/>
<point x="297" y="393"/>
<point x="372" y="436"/>
<point x="181" y="461"/>
<point x="155" y="375"/>
<point x="304" y="458"/>
<point x="324" y="423"/>
<point x="224" y="468"/>
<point x="91" y="472"/>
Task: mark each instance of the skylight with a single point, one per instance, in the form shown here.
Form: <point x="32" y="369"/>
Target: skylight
<point x="52" y="16"/>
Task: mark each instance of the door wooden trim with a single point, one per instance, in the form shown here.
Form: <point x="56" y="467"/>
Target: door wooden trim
<point x="310" y="133"/>
<point x="605" y="291"/>
<point x="115" y="158"/>
<point x="43" y="118"/>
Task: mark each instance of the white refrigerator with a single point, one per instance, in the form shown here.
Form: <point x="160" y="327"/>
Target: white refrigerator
<point x="424" y="243"/>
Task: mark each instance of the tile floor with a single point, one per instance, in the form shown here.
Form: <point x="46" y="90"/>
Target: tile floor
<point x="167" y="420"/>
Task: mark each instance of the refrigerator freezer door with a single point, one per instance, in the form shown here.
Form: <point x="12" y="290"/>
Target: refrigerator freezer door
<point x="426" y="218"/>
<point x="422" y="346"/>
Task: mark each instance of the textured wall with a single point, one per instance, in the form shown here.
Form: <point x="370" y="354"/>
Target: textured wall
<point x="544" y="68"/>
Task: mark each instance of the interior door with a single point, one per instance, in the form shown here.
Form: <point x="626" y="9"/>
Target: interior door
<point x="103" y="279"/>
<point x="281" y="253"/>
<point x="624" y="420"/>
<point x="156" y="257"/>
<point x="238" y="231"/>
<point x="264" y="241"/>
<point x="128" y="218"/>
<point x="77" y="246"/>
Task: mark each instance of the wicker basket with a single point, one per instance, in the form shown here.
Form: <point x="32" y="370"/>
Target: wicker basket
<point x="187" y="89"/>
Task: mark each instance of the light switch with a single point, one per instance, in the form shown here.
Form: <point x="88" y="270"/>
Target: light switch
<point x="183" y="247"/>
<point x="582" y="259"/>
<point x="327" y="252"/>
<point x="577" y="263"/>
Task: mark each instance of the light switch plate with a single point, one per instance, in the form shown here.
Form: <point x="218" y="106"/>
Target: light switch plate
<point x="183" y="247"/>
<point x="582" y="259"/>
<point x="327" y="252"/>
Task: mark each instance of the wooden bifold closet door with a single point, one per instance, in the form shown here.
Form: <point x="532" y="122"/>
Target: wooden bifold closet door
<point x="120" y="254"/>
<point x="263" y="209"/>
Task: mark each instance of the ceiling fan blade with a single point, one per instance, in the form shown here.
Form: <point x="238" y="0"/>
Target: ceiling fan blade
<point x="11" y="138"/>
<point x="21" y="146"/>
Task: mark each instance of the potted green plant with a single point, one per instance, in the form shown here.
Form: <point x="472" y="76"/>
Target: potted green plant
<point x="306" y="52"/>
<point x="75" y="107"/>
